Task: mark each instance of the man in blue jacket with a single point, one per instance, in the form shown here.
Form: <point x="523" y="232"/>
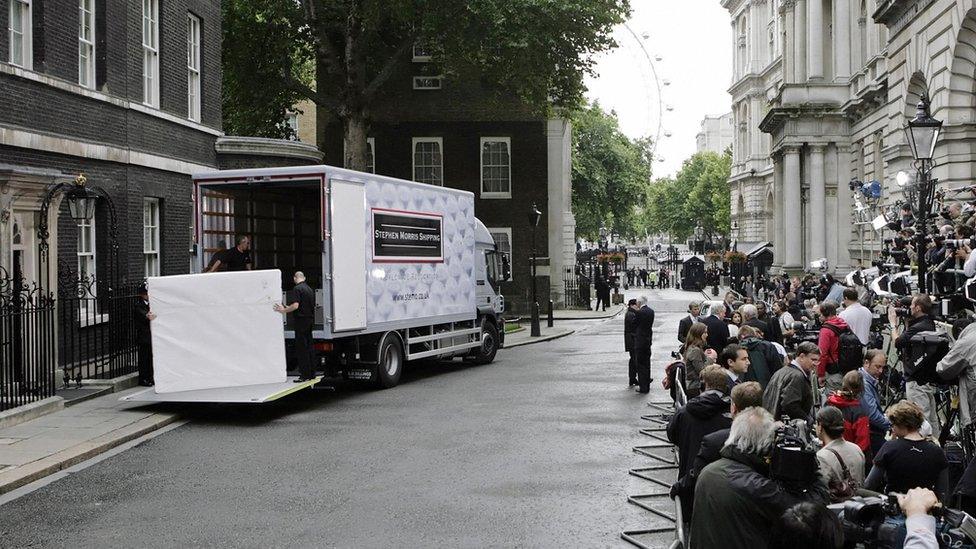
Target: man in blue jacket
<point x="874" y="364"/>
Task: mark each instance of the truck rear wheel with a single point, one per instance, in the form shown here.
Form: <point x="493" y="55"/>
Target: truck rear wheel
<point x="390" y="364"/>
<point x="489" y="343"/>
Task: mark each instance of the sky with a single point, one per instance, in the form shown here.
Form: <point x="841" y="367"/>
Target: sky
<point x="693" y="38"/>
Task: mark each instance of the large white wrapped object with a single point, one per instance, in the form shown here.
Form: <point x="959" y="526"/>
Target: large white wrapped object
<point x="217" y="330"/>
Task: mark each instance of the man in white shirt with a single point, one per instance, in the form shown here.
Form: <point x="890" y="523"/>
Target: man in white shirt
<point x="857" y="316"/>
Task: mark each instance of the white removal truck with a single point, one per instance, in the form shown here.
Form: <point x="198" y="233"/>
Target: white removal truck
<point x="402" y="270"/>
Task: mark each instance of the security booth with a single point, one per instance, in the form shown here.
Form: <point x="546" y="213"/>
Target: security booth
<point x="693" y="273"/>
<point x="759" y="259"/>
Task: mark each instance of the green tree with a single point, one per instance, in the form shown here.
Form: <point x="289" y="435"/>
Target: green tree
<point x="610" y="175"/>
<point x="699" y="192"/>
<point x="262" y="41"/>
<point x="539" y="50"/>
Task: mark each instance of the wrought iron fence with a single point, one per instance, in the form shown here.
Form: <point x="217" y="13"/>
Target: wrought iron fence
<point x="95" y="321"/>
<point x="576" y="292"/>
<point x="27" y="342"/>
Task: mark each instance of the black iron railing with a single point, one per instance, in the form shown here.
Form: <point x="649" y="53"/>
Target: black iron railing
<point x="27" y="342"/>
<point x="96" y="329"/>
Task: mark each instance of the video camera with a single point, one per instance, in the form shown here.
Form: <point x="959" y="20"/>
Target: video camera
<point x="794" y="458"/>
<point x="864" y="521"/>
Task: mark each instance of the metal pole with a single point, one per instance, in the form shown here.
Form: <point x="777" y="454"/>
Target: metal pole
<point x="536" y="331"/>
<point x="921" y="223"/>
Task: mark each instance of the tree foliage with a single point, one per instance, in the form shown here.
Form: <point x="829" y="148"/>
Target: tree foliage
<point x="538" y="50"/>
<point x="262" y="40"/>
<point x="610" y="175"/>
<point x="698" y="193"/>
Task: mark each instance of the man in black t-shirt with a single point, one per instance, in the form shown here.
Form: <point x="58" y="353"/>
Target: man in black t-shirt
<point x="237" y="258"/>
<point x="302" y="305"/>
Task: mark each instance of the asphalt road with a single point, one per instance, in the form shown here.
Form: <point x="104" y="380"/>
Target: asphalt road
<point x="530" y="451"/>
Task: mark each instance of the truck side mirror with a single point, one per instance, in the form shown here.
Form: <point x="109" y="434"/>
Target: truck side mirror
<point x="506" y="267"/>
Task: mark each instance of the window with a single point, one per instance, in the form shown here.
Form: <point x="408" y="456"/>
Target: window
<point x="150" y="235"/>
<point x="150" y="52"/>
<point x="496" y="167"/>
<point x="19" y="29"/>
<point x="86" y="268"/>
<point x="193" y="67"/>
<point x="503" y="241"/>
<point x="86" y="43"/>
<point x="427" y="82"/>
<point x="428" y="163"/>
<point x="291" y="122"/>
<point x="421" y="54"/>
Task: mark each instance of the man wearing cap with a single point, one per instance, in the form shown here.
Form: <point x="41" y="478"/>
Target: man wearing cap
<point x="685" y="324"/>
<point x="143" y="316"/>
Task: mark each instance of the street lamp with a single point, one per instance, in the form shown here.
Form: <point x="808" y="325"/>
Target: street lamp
<point x="81" y="200"/>
<point x="734" y="233"/>
<point x="534" y="216"/>
<point x="603" y="236"/>
<point x="922" y="133"/>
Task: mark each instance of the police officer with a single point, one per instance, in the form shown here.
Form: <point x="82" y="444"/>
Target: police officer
<point x="303" y="306"/>
<point x="143" y="317"/>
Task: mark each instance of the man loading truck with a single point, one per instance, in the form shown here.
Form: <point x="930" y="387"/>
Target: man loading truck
<point x="303" y="318"/>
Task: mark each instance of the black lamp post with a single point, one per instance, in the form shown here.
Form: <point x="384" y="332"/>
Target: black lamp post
<point x="82" y="199"/>
<point x="734" y="233"/>
<point x="922" y="133"/>
<point x="534" y="216"/>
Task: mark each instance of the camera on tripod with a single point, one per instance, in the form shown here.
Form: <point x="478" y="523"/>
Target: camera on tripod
<point x="794" y="458"/>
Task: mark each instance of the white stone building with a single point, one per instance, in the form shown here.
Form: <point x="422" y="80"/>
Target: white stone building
<point x="821" y="92"/>
<point x="715" y="134"/>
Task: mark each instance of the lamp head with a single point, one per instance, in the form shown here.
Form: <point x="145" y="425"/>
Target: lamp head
<point x="923" y="131"/>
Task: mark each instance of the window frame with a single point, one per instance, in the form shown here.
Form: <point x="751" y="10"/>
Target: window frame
<point x="26" y="34"/>
<point x="194" y="73"/>
<point x="511" y="248"/>
<point x="421" y="54"/>
<point x="481" y="159"/>
<point x="87" y="316"/>
<point x="86" y="71"/>
<point x="436" y="82"/>
<point x="150" y="54"/>
<point x="413" y="157"/>
<point x="154" y="225"/>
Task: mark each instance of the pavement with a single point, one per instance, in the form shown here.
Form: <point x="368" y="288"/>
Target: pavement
<point x="43" y="446"/>
<point x="532" y="450"/>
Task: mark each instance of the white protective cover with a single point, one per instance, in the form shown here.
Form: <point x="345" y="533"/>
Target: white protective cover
<point x="217" y="330"/>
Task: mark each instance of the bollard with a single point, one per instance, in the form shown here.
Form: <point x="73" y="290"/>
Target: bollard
<point x="549" y="320"/>
<point x="534" y="329"/>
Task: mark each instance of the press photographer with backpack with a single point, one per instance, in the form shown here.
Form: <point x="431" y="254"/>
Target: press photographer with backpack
<point x="840" y="349"/>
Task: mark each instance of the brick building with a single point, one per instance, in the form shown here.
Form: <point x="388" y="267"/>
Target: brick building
<point x="126" y="93"/>
<point x="454" y="131"/>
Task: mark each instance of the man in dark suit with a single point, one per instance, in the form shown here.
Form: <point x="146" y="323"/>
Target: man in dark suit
<point x="643" y="336"/>
<point x="630" y="327"/>
<point x="718" y="330"/>
<point x="142" y="318"/>
<point x="685" y="324"/>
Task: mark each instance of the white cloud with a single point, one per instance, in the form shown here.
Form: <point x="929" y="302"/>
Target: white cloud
<point x="694" y="40"/>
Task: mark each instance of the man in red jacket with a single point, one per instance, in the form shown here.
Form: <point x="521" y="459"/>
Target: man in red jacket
<point x="827" y="369"/>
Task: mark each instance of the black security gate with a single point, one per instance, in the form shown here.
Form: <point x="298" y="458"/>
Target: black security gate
<point x="27" y="341"/>
<point x="96" y="324"/>
<point x="571" y="291"/>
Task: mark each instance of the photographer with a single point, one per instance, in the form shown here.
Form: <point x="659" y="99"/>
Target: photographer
<point x="736" y="503"/>
<point x="829" y="370"/>
<point x="808" y="526"/>
<point x="958" y="365"/>
<point x="918" y="388"/>
<point x="908" y="460"/>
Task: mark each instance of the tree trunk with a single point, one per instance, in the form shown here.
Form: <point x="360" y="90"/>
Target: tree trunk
<point x="355" y="156"/>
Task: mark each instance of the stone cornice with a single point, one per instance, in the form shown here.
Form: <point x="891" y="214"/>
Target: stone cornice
<point x="259" y="146"/>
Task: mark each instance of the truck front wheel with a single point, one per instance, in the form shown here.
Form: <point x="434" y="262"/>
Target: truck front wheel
<point x="390" y="364"/>
<point x="489" y="343"/>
